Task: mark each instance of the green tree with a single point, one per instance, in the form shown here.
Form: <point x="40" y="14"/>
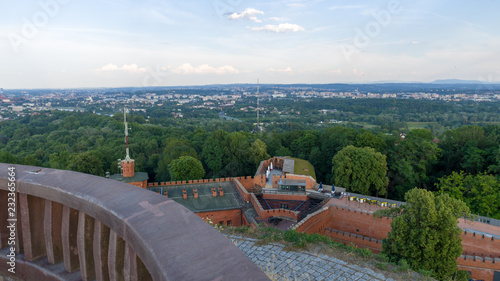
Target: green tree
<point x="7" y="157"/>
<point x="213" y="153"/>
<point x="186" y="168"/>
<point x="283" y="151"/>
<point x="480" y="192"/>
<point x="366" y="138"/>
<point x="174" y="149"/>
<point x="258" y="152"/>
<point x="87" y="162"/>
<point x="425" y="233"/>
<point x="410" y="161"/>
<point x="361" y="170"/>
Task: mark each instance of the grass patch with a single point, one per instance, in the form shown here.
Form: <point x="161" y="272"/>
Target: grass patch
<point x="299" y="240"/>
<point x="419" y="125"/>
<point x="303" y="167"/>
<point x="381" y="266"/>
<point x="403" y="265"/>
<point x="364" y="125"/>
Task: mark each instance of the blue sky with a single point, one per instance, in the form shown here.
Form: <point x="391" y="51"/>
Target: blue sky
<point x="74" y="43"/>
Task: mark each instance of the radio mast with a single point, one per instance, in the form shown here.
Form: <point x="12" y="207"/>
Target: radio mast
<point x="127" y="157"/>
<point x="258" y="106"/>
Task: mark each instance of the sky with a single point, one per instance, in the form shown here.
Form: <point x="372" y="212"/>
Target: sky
<point x="131" y="43"/>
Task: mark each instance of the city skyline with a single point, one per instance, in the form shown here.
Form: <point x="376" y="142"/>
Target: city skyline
<point x="69" y="44"/>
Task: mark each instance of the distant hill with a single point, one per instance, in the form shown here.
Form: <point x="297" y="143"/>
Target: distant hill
<point x="458" y="81"/>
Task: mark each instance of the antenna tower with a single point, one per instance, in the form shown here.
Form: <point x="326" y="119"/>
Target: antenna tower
<point x="127" y="157"/>
<point x="258" y="105"/>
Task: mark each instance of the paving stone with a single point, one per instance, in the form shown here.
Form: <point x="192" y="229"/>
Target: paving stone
<point x="290" y="265"/>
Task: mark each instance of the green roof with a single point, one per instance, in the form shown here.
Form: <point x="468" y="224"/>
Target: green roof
<point x="303" y="167"/>
<point x="205" y="201"/>
<point x="138" y="177"/>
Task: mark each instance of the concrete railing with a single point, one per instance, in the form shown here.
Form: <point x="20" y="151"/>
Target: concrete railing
<point x="77" y="226"/>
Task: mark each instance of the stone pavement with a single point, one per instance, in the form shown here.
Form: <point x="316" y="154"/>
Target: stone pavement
<point x="290" y="265"/>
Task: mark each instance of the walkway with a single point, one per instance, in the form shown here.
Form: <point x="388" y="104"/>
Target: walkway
<point x="303" y="265"/>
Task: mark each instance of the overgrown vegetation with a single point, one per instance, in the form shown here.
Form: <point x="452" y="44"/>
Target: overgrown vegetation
<point x="297" y="241"/>
<point x="424" y="233"/>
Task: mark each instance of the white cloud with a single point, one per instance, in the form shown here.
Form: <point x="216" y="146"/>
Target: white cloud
<point x="288" y="69"/>
<point x="132" y="68"/>
<point x="277" y="19"/>
<point x="204" y="69"/>
<point x="281" y="28"/>
<point x="249" y="13"/>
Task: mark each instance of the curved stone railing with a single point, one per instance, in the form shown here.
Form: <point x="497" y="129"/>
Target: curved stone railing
<point x="77" y="226"/>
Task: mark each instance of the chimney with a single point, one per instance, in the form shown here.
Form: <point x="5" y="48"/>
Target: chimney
<point x="221" y="192"/>
<point x="184" y="194"/>
<point x="195" y="193"/>
<point x="214" y="193"/>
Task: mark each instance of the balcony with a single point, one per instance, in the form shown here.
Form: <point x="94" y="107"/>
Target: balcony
<point x="73" y="226"/>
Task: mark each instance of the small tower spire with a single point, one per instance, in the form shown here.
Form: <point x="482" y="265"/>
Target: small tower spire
<point x="258" y="106"/>
<point x="128" y="165"/>
<point x="127" y="157"/>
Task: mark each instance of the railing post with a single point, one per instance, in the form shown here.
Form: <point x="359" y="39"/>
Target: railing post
<point x="85" y="246"/>
<point x="69" y="237"/>
<point x="116" y="256"/>
<point x="101" y="245"/>
<point x="33" y="236"/>
<point x="52" y="231"/>
<point x="4" y="232"/>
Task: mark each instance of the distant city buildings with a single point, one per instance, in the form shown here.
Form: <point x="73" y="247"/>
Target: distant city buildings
<point x="109" y="100"/>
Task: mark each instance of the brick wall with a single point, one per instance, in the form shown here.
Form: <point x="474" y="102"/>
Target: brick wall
<point x="235" y="216"/>
<point x="250" y="182"/>
<point x="265" y="214"/>
<point x="480" y="268"/>
<point x="141" y="184"/>
<point x="476" y="244"/>
<point x="363" y="230"/>
<point x="241" y="189"/>
<point x="277" y="164"/>
<point x="315" y="222"/>
<point x="295" y="197"/>
<point x="358" y="222"/>
<point x="360" y="241"/>
<point x="169" y="183"/>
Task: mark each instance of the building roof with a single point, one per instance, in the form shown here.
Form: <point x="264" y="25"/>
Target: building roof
<point x="292" y="182"/>
<point x="138" y="177"/>
<point x="205" y="201"/>
<point x="288" y="166"/>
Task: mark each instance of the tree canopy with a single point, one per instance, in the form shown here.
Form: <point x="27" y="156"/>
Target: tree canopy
<point x="480" y="192"/>
<point x="361" y="170"/>
<point x="425" y="233"/>
<point x="186" y="168"/>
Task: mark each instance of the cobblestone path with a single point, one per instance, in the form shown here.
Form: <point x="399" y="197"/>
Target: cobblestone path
<point x="290" y="265"/>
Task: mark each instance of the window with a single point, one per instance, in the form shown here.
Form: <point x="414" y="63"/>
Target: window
<point x="283" y="206"/>
<point x="221" y="223"/>
<point x="228" y="223"/>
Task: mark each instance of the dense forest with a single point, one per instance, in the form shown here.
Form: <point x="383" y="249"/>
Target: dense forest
<point x="462" y="160"/>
